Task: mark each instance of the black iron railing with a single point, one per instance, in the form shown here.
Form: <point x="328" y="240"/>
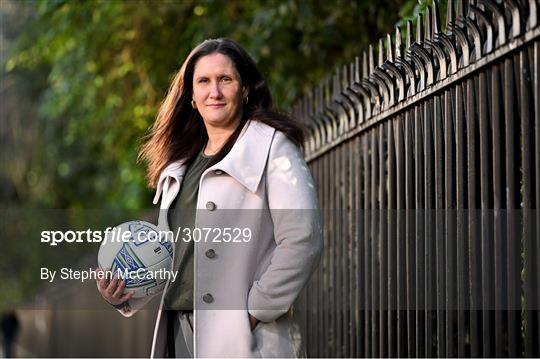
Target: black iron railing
<point x="427" y="163"/>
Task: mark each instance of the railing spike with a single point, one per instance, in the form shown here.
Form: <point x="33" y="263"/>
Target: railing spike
<point x="436" y="19"/>
<point x="324" y="90"/>
<point x="419" y="29"/>
<point x="310" y="111"/>
<point x="316" y="100"/>
<point x="450" y="17"/>
<point x="399" y="45"/>
<point x="334" y="85"/>
<point x="344" y="77"/>
<point x="339" y="75"/>
<point x="389" y="48"/>
<point x="460" y="8"/>
<point x="365" y="66"/>
<point x="313" y="102"/>
<point x="329" y="88"/>
<point x="381" y="52"/>
<point x="371" y="59"/>
<point x="352" y="74"/>
<point x="429" y="30"/>
<point x="357" y="74"/>
<point x="321" y="94"/>
<point x="408" y="36"/>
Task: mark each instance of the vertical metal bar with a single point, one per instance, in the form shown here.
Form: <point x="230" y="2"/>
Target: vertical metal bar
<point x="496" y="347"/>
<point x="314" y="349"/>
<point x="374" y="243"/>
<point x="409" y="232"/>
<point x="430" y="253"/>
<point x="352" y="283"/>
<point x="346" y="190"/>
<point x="321" y="269"/>
<point x="536" y="91"/>
<point x="326" y="274"/>
<point x="359" y="251"/>
<point x="326" y="258"/>
<point x="338" y="243"/>
<point x="450" y="187"/>
<point x="500" y="239"/>
<point x="392" y="241"/>
<point x="347" y="265"/>
<point x="314" y="311"/>
<point x="419" y="214"/>
<point x="338" y="213"/>
<point x="439" y="223"/>
<point x="486" y="188"/>
<point x="367" y="245"/>
<point x="383" y="248"/>
<point x="513" y="168"/>
<point x="334" y="305"/>
<point x="319" y="314"/>
<point x="321" y="282"/>
<point x="476" y="133"/>
<point x="529" y="245"/>
<point x="360" y="294"/>
<point x="401" y="249"/>
<point x="309" y="299"/>
<point x="325" y="347"/>
<point x="462" y="120"/>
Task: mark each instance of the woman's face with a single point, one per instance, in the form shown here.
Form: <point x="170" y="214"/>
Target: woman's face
<point x="217" y="91"/>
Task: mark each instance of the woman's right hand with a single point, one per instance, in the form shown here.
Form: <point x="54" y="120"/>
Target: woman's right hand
<point x="113" y="291"/>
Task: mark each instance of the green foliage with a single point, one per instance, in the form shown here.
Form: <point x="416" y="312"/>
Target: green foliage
<point x="110" y="62"/>
<point x="85" y="79"/>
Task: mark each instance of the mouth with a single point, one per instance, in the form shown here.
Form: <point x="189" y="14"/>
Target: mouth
<point x="216" y="105"/>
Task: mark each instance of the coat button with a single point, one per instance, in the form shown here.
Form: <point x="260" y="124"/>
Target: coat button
<point x="208" y="298"/>
<point x="210" y="253"/>
<point x="218" y="172"/>
<point x="210" y="205"/>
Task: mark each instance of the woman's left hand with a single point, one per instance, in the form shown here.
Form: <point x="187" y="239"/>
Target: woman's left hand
<point x="253" y="321"/>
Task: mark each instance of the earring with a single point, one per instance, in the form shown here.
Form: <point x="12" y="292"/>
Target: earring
<point x="193" y="104"/>
<point x="246" y="99"/>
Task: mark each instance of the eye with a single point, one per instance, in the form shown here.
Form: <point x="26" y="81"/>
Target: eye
<point x="202" y="81"/>
<point x="226" y="79"/>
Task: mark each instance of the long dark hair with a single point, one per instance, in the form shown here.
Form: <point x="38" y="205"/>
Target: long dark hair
<point x="179" y="132"/>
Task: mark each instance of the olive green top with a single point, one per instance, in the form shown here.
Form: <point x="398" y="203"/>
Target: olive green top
<point x="181" y="216"/>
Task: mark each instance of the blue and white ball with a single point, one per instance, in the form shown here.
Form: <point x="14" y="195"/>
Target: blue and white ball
<point x="137" y="251"/>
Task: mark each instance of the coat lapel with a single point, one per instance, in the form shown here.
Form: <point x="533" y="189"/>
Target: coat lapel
<point x="247" y="159"/>
<point x="173" y="172"/>
<point x="245" y="162"/>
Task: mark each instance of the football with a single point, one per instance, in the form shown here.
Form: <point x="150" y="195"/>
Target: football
<point x="139" y="255"/>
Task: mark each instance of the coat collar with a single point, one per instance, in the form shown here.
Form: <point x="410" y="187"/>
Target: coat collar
<point x="245" y="161"/>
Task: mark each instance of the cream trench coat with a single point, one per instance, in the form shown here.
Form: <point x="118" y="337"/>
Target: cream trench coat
<point x="263" y="183"/>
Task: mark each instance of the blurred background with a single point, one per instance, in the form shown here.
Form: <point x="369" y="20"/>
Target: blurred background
<point x="81" y="82"/>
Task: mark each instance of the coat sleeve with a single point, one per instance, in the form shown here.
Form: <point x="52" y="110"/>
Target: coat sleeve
<point x="292" y="201"/>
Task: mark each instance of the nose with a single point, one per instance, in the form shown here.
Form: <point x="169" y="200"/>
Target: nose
<point x="215" y="91"/>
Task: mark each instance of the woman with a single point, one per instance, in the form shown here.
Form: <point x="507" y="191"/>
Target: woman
<point x="221" y="158"/>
